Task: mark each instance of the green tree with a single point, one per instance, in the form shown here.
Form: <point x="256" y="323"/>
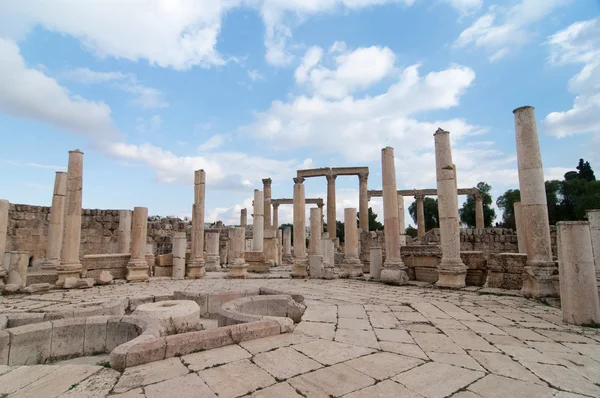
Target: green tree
<point x="412" y="231"/>
<point x="339" y="229"/>
<point x="467" y="211"/>
<point x="585" y="171"/>
<point x="430" y="212"/>
<point x="291" y="227"/>
<point x="506" y="203"/>
<point x="374" y="225"/>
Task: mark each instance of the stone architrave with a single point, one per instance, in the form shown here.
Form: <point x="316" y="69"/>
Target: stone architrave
<point x="577" y="274"/>
<point x="70" y="265"/>
<point x="137" y="267"/>
<point x="4" y="205"/>
<point x="451" y="269"/>
<point x="124" y="236"/>
<point x="351" y="267"/>
<point x="179" y="248"/>
<point x="593" y="217"/>
<point x="521" y="234"/>
<point x="479" y="218"/>
<point x="331" y="226"/>
<point x="258" y="222"/>
<point x="275" y="215"/>
<point x="195" y="266"/>
<point x="300" y="265"/>
<point x="401" y="225"/>
<point x="328" y="248"/>
<point x="363" y="201"/>
<point x="267" y="202"/>
<point x="315" y="252"/>
<point x="237" y="264"/>
<point x="287" y="246"/>
<point x="212" y="251"/>
<point x="17" y="269"/>
<point x="394" y="270"/>
<point x="243" y="217"/>
<point x="56" y="223"/>
<point x="540" y="273"/>
<point x="376" y="259"/>
<point x="420" y="217"/>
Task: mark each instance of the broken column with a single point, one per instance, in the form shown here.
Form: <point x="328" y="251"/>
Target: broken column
<point x="328" y="250"/>
<point x="56" y="223"/>
<point x="401" y="225"/>
<point x="376" y="258"/>
<point x="267" y="202"/>
<point x="299" y="267"/>
<point x="315" y="253"/>
<point x="17" y="269"/>
<point x="236" y="262"/>
<point x="287" y="245"/>
<point x="451" y="269"/>
<point x="4" y="205"/>
<point x="275" y="215"/>
<point x="212" y="251"/>
<point x="243" y="217"/>
<point x="320" y="206"/>
<point x="331" y="206"/>
<point x="521" y="234"/>
<point x="124" y="236"/>
<point x="70" y="266"/>
<point x="137" y="267"/>
<point x="363" y="201"/>
<point x="540" y="271"/>
<point x="351" y="266"/>
<point x="479" y="219"/>
<point x="179" y="248"/>
<point x="394" y="270"/>
<point x="195" y="266"/>
<point x="593" y="217"/>
<point x="258" y="222"/>
<point x="577" y="274"/>
<point x="420" y="217"/>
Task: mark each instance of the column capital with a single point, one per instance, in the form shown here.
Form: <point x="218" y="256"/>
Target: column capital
<point x="331" y="178"/>
<point x="419" y="196"/>
<point x="320" y="205"/>
<point x="478" y="196"/>
<point x="275" y="205"/>
<point x="363" y="177"/>
<point x="267" y="182"/>
<point x="298" y="180"/>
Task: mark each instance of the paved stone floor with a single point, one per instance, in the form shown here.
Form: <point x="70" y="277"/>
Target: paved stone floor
<point x="356" y="339"/>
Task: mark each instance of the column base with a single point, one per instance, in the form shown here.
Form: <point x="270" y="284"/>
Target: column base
<point x="212" y="263"/>
<point x="195" y="268"/>
<point x="315" y="265"/>
<point x="352" y="268"/>
<point x="49" y="265"/>
<point x="238" y="270"/>
<point x="287" y="259"/>
<point x="540" y="279"/>
<point x="68" y="271"/>
<point x="299" y="268"/>
<point x="394" y="272"/>
<point x="452" y="273"/>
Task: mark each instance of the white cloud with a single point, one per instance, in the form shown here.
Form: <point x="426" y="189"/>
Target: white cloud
<point x="152" y="125"/>
<point x="214" y="142"/>
<point x="465" y="7"/>
<point x="36" y="165"/>
<point x="499" y="39"/>
<point x="578" y="44"/>
<point x="255" y="75"/>
<point x="29" y="93"/>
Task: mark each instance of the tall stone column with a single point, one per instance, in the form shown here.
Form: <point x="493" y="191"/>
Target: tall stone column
<point x="521" y="234"/>
<point x="56" y="224"/>
<point x="540" y="271"/>
<point x="195" y="267"/>
<point x="351" y="266"/>
<point x="577" y="274"/>
<point x="331" y="227"/>
<point x="363" y="201"/>
<point x="320" y="206"/>
<point x="267" y="202"/>
<point x="212" y="251"/>
<point x="479" y="220"/>
<point x="279" y="246"/>
<point x="124" y="235"/>
<point x="236" y="262"/>
<point x="179" y="248"/>
<point x="276" y="215"/>
<point x="258" y="222"/>
<point x="451" y="270"/>
<point x="244" y="217"/>
<point x="401" y="226"/>
<point x="137" y="267"/>
<point x="287" y="245"/>
<point x="315" y="251"/>
<point x="420" y="217"/>
<point x="299" y="267"/>
<point x="394" y="270"/>
<point x="4" y="205"/>
<point x="593" y="217"/>
<point x="70" y="266"/>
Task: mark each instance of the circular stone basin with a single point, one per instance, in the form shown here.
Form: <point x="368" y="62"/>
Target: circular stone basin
<point x="176" y="316"/>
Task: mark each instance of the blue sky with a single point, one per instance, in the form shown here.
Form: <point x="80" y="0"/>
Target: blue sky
<point x="249" y="89"/>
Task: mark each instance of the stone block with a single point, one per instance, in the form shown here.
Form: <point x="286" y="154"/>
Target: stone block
<point x="200" y="298"/>
<point x="4" y="347"/>
<point x="95" y="335"/>
<point x="146" y="351"/>
<point x="163" y="270"/>
<point x="30" y="344"/>
<point x="68" y="336"/>
<point x="24" y="318"/>
<point x="117" y="332"/>
<point x="105" y="278"/>
<point x="186" y="343"/>
<point x="254" y="330"/>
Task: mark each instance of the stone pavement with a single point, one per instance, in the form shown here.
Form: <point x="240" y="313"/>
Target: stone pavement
<point x="356" y="339"/>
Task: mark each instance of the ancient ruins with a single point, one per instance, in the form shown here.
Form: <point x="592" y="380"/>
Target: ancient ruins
<point x="111" y="302"/>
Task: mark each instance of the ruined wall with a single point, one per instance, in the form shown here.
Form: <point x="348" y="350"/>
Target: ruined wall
<point x="488" y="241"/>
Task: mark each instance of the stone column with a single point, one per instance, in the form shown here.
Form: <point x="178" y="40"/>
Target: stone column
<point x="179" y="248"/>
<point x="363" y="201"/>
<point x="351" y="266"/>
<point x="258" y="222"/>
<point x="593" y="217"/>
<point x="137" y="267"/>
<point x="212" y="251"/>
<point x="124" y="231"/>
<point x="540" y="271"/>
<point x="420" y="217"/>
<point x="244" y="217"/>
<point x="287" y="246"/>
<point x="236" y="262"/>
<point x="17" y="269"/>
<point x="394" y="270"/>
<point x="279" y="246"/>
<point x="4" y="205"/>
<point x="267" y="202"/>
<point x="577" y="274"/>
<point x="328" y="249"/>
<point x="401" y="226"/>
<point x="195" y="267"/>
<point x="276" y="215"/>
<point x="320" y="206"/>
<point x="315" y="251"/>
<point x="376" y="259"/>
<point x="331" y="206"/>
<point x="521" y="233"/>
<point x="299" y="267"/>
<point x="70" y="266"/>
<point x="451" y="270"/>
<point x="479" y="219"/>
<point x="56" y="223"/>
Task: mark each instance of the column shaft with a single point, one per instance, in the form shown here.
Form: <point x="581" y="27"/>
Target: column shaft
<point x="56" y="226"/>
<point x="352" y="266"/>
<point x="258" y="222"/>
<point x="243" y="217"/>
<point x="363" y="202"/>
<point x="4" y="205"/>
<point x="124" y="231"/>
<point x="276" y="216"/>
<point x="401" y="226"/>
<point x="212" y="251"/>
<point x="137" y="267"/>
<point x="267" y="203"/>
<point x="521" y="233"/>
<point x="420" y="217"/>
<point x="236" y="262"/>
<point x="195" y="267"/>
<point x="331" y="226"/>
<point x="179" y="248"/>
<point x="315" y="251"/>
<point x="299" y="268"/>
<point x="479" y="219"/>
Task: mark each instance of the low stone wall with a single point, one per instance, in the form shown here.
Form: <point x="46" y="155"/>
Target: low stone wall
<point x="116" y="264"/>
<point x="505" y="270"/>
<point x="280" y="308"/>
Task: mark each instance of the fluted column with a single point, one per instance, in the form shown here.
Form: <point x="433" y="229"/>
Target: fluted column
<point x="56" y="224"/>
<point x="521" y="234"/>
<point x="267" y="202"/>
<point x="236" y="262"/>
<point x="258" y="222"/>
<point x="593" y="217"/>
<point x="137" y="267"/>
<point x="70" y="266"/>
<point x="4" y="205"/>
<point x="276" y="215"/>
<point x="212" y="251"/>
<point x="540" y="271"/>
<point x="299" y="268"/>
<point x="243" y="217"/>
<point x="479" y="220"/>
<point x="401" y="226"/>
<point x="420" y="217"/>
<point x="124" y="236"/>
<point x="363" y="202"/>
<point x="331" y="227"/>
<point x="195" y="267"/>
<point x="394" y="270"/>
<point x="351" y="266"/>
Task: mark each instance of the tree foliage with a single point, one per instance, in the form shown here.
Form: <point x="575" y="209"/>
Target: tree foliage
<point x="374" y="225"/>
<point x="291" y="227"/>
<point x="411" y="231"/>
<point x="467" y="211"/>
<point x="506" y="203"/>
<point x="430" y="212"/>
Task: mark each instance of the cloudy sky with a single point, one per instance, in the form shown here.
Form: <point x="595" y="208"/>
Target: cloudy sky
<point x="151" y="90"/>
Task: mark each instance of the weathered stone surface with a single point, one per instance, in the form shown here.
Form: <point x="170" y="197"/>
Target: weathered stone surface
<point x="437" y="380"/>
<point x="37" y="288"/>
<point x="219" y="379"/>
<point x="189" y="385"/>
<point x="105" y="278"/>
<point x="334" y="381"/>
<point x="150" y="373"/>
